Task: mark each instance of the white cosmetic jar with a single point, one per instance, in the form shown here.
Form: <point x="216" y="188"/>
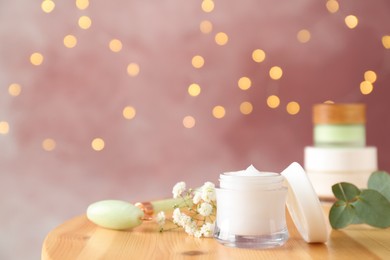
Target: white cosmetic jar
<point x="251" y="208"/>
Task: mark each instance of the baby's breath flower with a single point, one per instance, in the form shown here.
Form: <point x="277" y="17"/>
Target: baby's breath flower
<point x="160" y="218"/>
<point x="208" y="192"/>
<point x="207" y="229"/>
<point x="198" y="215"/>
<point x="205" y="209"/>
<point x="178" y="189"/>
<point x="176" y="215"/>
<point x="197" y="197"/>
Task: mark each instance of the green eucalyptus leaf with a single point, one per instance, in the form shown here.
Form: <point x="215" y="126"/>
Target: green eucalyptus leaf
<point x="380" y="181"/>
<point x="345" y="191"/>
<point x="341" y="214"/>
<point x="373" y="208"/>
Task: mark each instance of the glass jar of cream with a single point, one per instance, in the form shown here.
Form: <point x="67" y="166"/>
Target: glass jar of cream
<point x="251" y="208"/>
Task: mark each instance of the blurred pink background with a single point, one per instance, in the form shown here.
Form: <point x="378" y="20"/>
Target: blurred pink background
<point x="51" y="112"/>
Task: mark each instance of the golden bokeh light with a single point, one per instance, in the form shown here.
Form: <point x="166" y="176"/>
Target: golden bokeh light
<point x="207" y="6"/>
<point x="366" y="87"/>
<point x="329" y="102"/>
<point x="70" y="41"/>
<point x="386" y="41"/>
<point x="85" y="22"/>
<point x="47" y="6"/>
<point x="303" y="36"/>
<point x="258" y="55"/>
<point x="129" y="112"/>
<point x="246" y="108"/>
<point x="370" y="76"/>
<point x="293" y="108"/>
<point x="194" y="90"/>
<point x="115" y="45"/>
<point x="48" y="144"/>
<point x="4" y="127"/>
<point x="97" y="144"/>
<point x="14" y="89"/>
<point x="189" y="122"/>
<point x="36" y="58"/>
<point x="197" y="61"/>
<point x="133" y="69"/>
<point x="351" y="21"/>
<point x="332" y="6"/>
<point x="244" y="83"/>
<point x="82" y="4"/>
<point x="273" y="101"/>
<point x="219" y="112"/>
<point x="206" y="27"/>
<point x="221" y="38"/>
<point x="276" y="72"/>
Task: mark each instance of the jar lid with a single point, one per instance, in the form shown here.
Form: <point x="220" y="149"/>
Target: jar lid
<point x="339" y="113"/>
<point x="304" y="206"/>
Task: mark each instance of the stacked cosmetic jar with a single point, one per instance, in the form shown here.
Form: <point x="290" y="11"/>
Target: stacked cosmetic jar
<point x="339" y="153"/>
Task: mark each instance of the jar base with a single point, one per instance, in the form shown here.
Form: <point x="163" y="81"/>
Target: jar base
<point x="261" y="242"/>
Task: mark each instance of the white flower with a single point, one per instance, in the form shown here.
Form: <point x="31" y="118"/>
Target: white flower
<point x="197" y="197"/>
<point x="178" y="189"/>
<point x="205" y="209"/>
<point x="208" y="192"/>
<point x="198" y="233"/>
<point x="176" y="216"/>
<point x="207" y="229"/>
<point x="190" y="226"/>
<point x="160" y="218"/>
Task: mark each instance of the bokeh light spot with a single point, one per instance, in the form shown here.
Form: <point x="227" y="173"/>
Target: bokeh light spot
<point x="366" y="87"/>
<point x="244" y="83"/>
<point x="82" y="4"/>
<point x="351" y="21"/>
<point x="4" y="127"/>
<point x="197" y="61"/>
<point x="273" y="101"/>
<point x="207" y="6"/>
<point x="386" y="41"/>
<point x="329" y="102"/>
<point x="275" y="72"/>
<point x="303" y="36"/>
<point x="129" y="112"/>
<point x="246" y="108"/>
<point x="97" y="144"/>
<point x="115" y="45"/>
<point x="189" y="122"/>
<point x="85" y="22"/>
<point x="47" y="6"/>
<point x="332" y="6"/>
<point x="14" y="89"/>
<point x="206" y="27"/>
<point x="293" y="108"/>
<point x="370" y="76"/>
<point x="48" y="144"/>
<point x="70" y="41"/>
<point x="133" y="69"/>
<point x="258" y="55"/>
<point x="219" y="112"/>
<point x="36" y="59"/>
<point x="221" y="38"/>
<point x="194" y="90"/>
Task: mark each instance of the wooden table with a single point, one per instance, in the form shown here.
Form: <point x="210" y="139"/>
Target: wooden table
<point x="80" y="239"/>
